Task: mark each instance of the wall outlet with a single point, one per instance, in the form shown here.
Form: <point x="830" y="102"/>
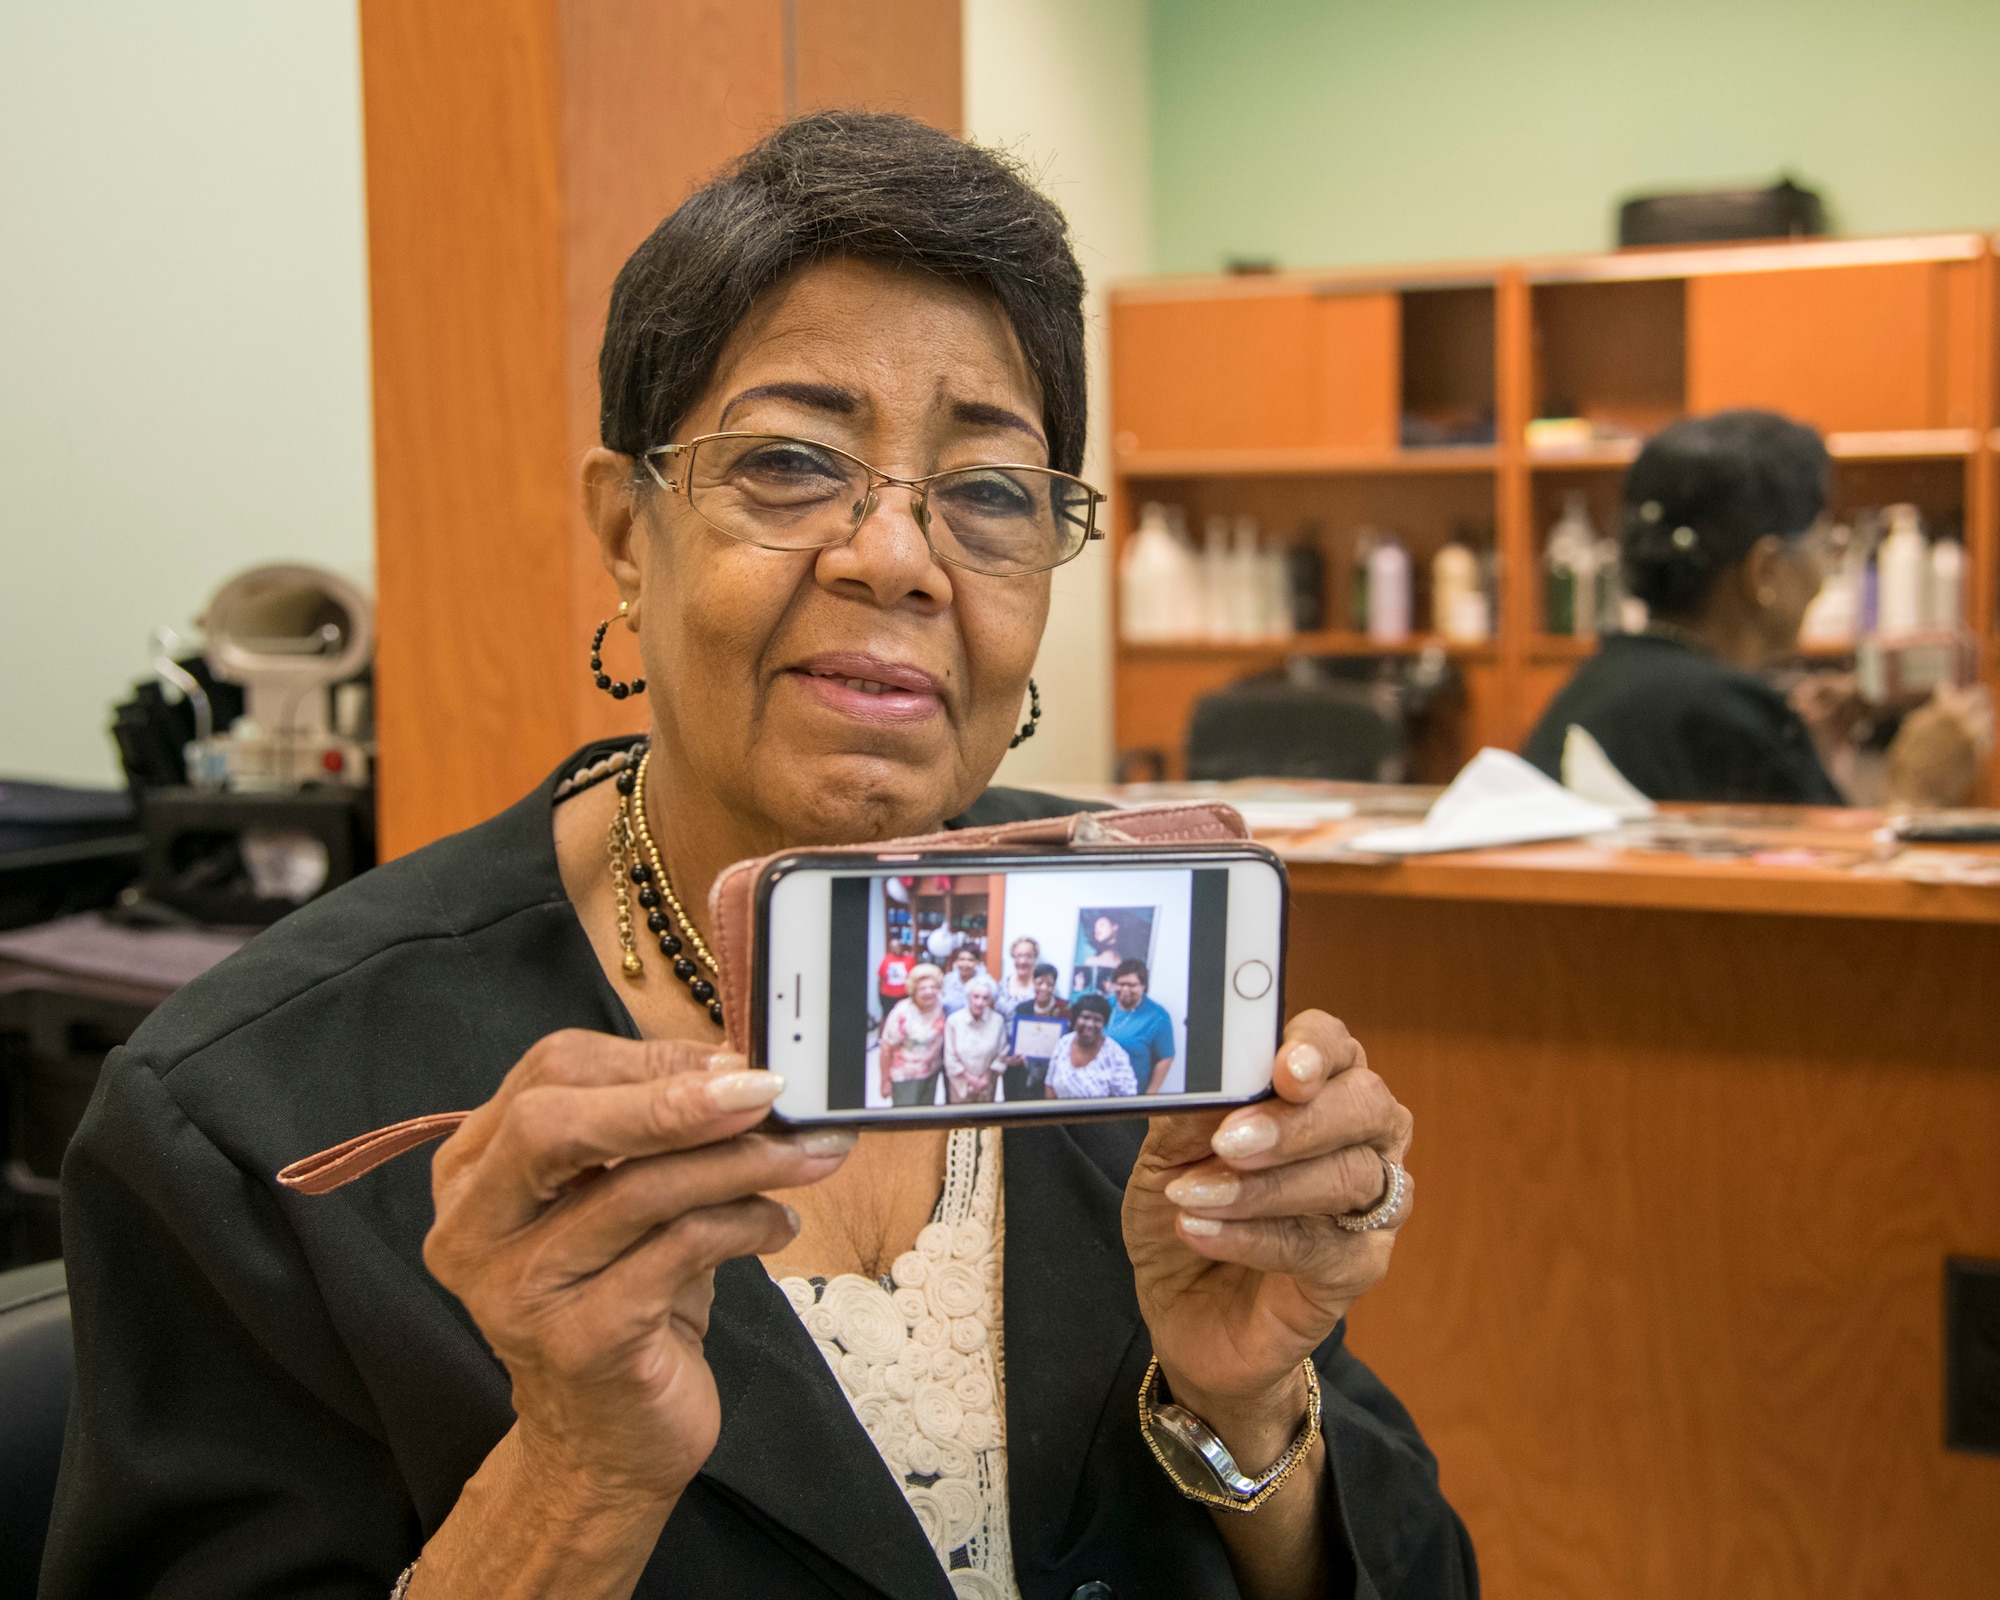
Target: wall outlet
<point x="1972" y="1355"/>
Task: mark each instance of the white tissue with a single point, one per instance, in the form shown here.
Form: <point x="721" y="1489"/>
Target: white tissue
<point x="1497" y="800"/>
<point x="1588" y="771"/>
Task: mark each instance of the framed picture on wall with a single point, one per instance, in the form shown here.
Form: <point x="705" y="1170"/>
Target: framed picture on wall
<point x="1105" y="936"/>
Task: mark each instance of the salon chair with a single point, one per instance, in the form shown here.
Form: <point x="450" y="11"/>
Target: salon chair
<point x="35" y="1366"/>
<point x="1354" y="719"/>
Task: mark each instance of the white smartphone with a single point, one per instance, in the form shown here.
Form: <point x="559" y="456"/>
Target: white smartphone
<point x="970" y="987"/>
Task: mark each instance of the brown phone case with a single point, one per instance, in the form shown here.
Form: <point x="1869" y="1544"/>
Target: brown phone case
<point x="731" y="909"/>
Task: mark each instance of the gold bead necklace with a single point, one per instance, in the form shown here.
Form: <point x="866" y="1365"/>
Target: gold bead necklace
<point x="636" y="861"/>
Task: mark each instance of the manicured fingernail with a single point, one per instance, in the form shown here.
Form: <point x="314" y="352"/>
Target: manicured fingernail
<point x="792" y="1217"/>
<point x="1206" y="1191"/>
<point x="741" y="1091"/>
<point x="1200" y="1227"/>
<point x="1246" y="1138"/>
<point x="828" y="1142"/>
<point x="1305" y="1063"/>
<point x="726" y="1061"/>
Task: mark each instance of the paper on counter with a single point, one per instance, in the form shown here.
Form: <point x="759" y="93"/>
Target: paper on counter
<point x="1588" y="771"/>
<point x="1498" y="799"/>
<point x="1280" y="816"/>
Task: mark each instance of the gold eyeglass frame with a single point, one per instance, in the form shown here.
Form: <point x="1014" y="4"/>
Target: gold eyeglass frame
<point x="878" y="479"/>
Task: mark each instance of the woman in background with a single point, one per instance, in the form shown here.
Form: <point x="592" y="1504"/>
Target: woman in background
<point x="1019" y="989"/>
<point x="1722" y="540"/>
<point x="1027" y="1076"/>
<point x="913" y="1040"/>
<point x="973" y="1040"/>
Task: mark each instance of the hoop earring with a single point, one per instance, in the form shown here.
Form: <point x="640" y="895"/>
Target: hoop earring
<point x="610" y="685"/>
<point x="1034" y="716"/>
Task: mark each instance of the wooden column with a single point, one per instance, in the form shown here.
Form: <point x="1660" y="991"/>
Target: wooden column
<point x="517" y="151"/>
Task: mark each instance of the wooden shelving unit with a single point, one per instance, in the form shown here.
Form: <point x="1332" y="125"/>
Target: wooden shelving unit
<point x="1288" y="397"/>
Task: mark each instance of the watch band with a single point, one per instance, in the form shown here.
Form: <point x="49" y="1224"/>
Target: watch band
<point x="1200" y="1464"/>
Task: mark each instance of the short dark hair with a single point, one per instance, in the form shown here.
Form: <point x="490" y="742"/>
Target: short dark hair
<point x="1704" y="491"/>
<point x="1044" y="970"/>
<point x="869" y="185"/>
<point x="1132" y="968"/>
<point x="1091" y="1002"/>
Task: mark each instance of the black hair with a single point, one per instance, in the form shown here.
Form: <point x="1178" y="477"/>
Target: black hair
<point x="1091" y="1002"/>
<point x="1047" y="971"/>
<point x="1132" y="965"/>
<point x="1704" y="491"/>
<point x="860" y="184"/>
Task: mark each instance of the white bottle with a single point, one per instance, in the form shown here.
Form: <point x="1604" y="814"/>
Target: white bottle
<point x="1277" y="569"/>
<point x="1146" y="577"/>
<point x="1247" y="582"/>
<point x="1458" y="603"/>
<point x="1217" y="581"/>
<point x="1834" y="616"/>
<point x="1947" y="587"/>
<point x="1389" y="592"/>
<point x="1904" y="566"/>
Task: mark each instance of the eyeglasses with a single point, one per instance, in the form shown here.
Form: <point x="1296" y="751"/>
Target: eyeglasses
<point x="781" y="493"/>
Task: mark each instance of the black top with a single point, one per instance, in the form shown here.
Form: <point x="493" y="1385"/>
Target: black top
<point x="1683" y="726"/>
<point x="274" y="1397"/>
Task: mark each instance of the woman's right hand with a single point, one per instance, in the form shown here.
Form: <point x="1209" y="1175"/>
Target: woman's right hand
<point x="581" y="1213"/>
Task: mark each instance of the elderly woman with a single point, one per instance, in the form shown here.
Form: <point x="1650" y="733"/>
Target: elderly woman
<point x="555" y="1364"/>
<point x="973" y="1040"/>
<point x="1088" y="1064"/>
<point x="1019" y="989"/>
<point x="912" y="1042"/>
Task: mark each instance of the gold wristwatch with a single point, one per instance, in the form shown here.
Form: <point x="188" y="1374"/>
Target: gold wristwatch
<point x="1200" y="1464"/>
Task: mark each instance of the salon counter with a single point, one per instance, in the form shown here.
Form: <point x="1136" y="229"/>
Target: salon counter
<point x="1698" y="1124"/>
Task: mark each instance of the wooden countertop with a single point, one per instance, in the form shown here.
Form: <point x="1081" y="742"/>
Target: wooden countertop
<point x="1769" y="860"/>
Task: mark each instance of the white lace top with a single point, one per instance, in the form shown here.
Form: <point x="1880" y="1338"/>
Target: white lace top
<point x="918" y="1355"/>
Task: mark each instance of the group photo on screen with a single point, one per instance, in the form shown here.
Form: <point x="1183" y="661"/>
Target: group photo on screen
<point x="1005" y="987"/>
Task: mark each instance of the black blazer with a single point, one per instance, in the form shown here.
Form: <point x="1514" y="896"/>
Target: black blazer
<point x="274" y="1397"/>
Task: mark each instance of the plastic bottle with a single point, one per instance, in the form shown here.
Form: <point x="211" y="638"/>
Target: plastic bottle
<point x="1833" y="617"/>
<point x="1140" y="586"/>
<point x="1904" y="561"/>
<point x="1275" y="566"/>
<point x="1947" y="587"/>
<point x="1217" y="580"/>
<point x="1159" y="587"/>
<point x="1247" y="583"/>
<point x="1389" y="592"/>
<point x="1571" y="562"/>
<point x="1610" y="587"/>
<point x="1306" y="579"/>
<point x="1365" y="541"/>
<point x="1458" y="603"/>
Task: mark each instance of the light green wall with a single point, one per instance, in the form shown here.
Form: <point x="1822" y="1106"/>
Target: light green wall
<point x="183" y="335"/>
<point x="1340" y="131"/>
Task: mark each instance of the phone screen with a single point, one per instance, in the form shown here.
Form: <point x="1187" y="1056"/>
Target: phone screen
<point x="1000" y="987"/>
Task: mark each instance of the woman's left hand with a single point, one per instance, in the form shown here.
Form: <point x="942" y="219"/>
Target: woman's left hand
<point x="1229" y="1220"/>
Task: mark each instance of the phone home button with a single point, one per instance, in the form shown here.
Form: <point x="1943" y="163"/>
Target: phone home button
<point x="1253" y="980"/>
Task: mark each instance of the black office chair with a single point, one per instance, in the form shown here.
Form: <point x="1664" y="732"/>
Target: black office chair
<point x="35" y="1367"/>
<point x="1288" y="727"/>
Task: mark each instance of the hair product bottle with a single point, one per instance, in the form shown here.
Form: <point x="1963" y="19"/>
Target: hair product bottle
<point x="1947" y="586"/>
<point x="1365" y="541"/>
<point x="1905" y="561"/>
<point x="1570" y="561"/>
<point x="1389" y="592"/>
<point x="1458" y="603"/>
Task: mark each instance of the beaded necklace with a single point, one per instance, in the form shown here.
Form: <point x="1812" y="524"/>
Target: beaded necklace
<point x="636" y="864"/>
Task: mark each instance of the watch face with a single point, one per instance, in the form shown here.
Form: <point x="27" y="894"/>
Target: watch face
<point x="1169" y="1434"/>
